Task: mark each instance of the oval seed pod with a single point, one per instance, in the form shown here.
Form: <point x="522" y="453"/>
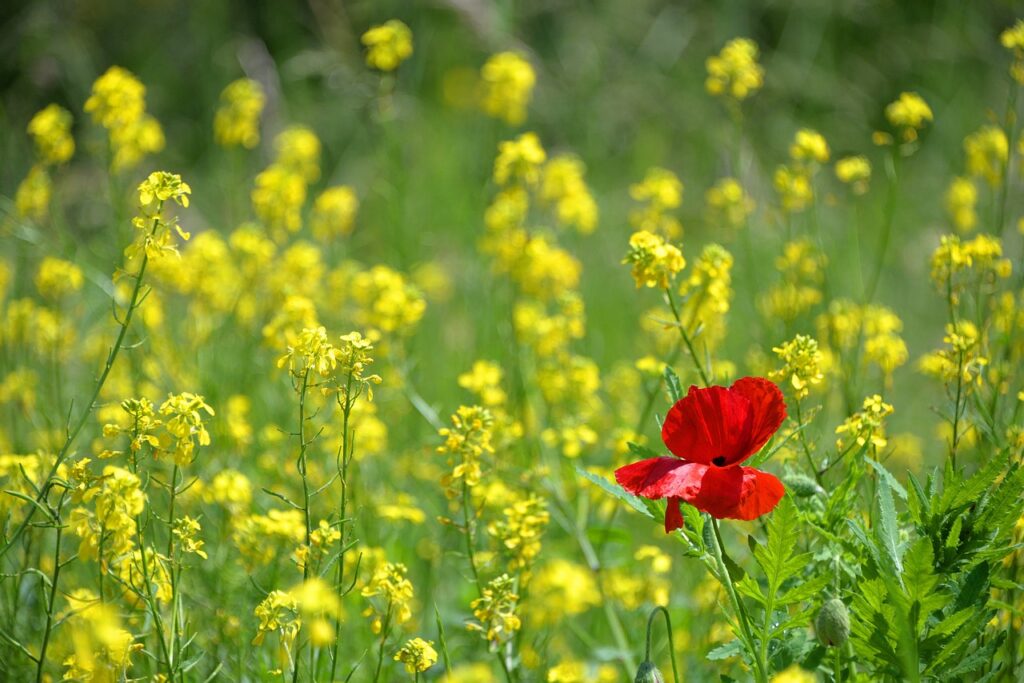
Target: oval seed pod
<point x="833" y="623"/>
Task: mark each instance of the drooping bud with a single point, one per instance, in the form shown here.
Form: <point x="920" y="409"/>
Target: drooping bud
<point x="648" y="673"/>
<point x="833" y="623"/>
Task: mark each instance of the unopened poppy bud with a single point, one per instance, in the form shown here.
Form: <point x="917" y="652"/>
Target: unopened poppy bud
<point x="833" y="623"/>
<point x="648" y="673"/>
<point x="802" y="485"/>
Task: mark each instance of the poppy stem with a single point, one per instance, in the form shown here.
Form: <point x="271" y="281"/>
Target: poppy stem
<point x="671" y="647"/>
<point x="686" y="337"/>
<point x="760" y="668"/>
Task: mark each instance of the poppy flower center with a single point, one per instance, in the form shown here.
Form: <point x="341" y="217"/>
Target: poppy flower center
<point x="720" y="461"/>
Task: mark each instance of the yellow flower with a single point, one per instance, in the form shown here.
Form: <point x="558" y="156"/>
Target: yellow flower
<point x="50" y="128"/>
<point x="57" y="278"/>
<point x="961" y="200"/>
<point x="728" y="203"/>
<point x="734" y="72"/>
<point x="32" y="199"/>
<point x="908" y="114"/>
<point x="809" y="145"/>
<point x="519" y="161"/>
<point x="794" y="674"/>
<point x="802" y="364"/>
<point x="854" y="171"/>
<point x="334" y="213"/>
<point x="417" y="655"/>
<point x="237" y="121"/>
<point x="987" y="151"/>
<point x="1013" y="40"/>
<point x="508" y="81"/>
<point x="793" y="186"/>
<point x="388" y="45"/>
<point x="655" y="262"/>
<point x="117" y="99"/>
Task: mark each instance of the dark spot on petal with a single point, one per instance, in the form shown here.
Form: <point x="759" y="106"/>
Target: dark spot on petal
<point x="720" y="461"/>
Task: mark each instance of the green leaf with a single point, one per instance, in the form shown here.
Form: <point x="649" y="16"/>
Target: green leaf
<point x="804" y="590"/>
<point x="733" y="648"/>
<point x="887" y="475"/>
<point x="617" y="491"/>
<point x="675" y="387"/>
<point x="887" y="531"/>
<point x="643" y="452"/>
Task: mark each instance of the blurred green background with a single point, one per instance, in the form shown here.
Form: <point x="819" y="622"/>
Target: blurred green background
<point x="619" y="83"/>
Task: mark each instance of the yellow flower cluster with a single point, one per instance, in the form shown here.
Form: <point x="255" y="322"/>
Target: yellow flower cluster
<point x="519" y="532"/>
<point x="50" y="129"/>
<point x="394" y="594"/>
<point x="987" y="151"/>
<point x="56" y="278"/>
<point x="32" y="198"/>
<point x="707" y="293"/>
<point x="519" y="161"/>
<point x="659" y="193"/>
<point x="417" y="655"/>
<point x="154" y="225"/>
<point x="387" y="45"/>
<point x="107" y="530"/>
<point x="495" y="612"/>
<point x="387" y="301"/>
<point x="1013" y="40"/>
<point x="802" y="267"/>
<point x="961" y="202"/>
<point x="654" y="261"/>
<point x="465" y="443"/>
<point x="854" y="171"/>
<point x="809" y="146"/>
<point x="846" y="324"/>
<point x="734" y="72"/>
<point x="865" y="426"/>
<point x="184" y="425"/>
<point x="908" y="114"/>
<point x="260" y="538"/>
<point x="237" y="121"/>
<point x="118" y="103"/>
<point x="954" y="263"/>
<point x="508" y="80"/>
<point x="563" y="186"/>
<point x="802" y="364"/>
<point x="728" y="203"/>
<point x="962" y="360"/>
<point x="186" y="530"/>
<point x="280" y="189"/>
<point x="334" y="213"/>
<point x="102" y="649"/>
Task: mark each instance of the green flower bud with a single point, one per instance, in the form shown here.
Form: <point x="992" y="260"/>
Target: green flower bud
<point x="802" y="485"/>
<point x="648" y="673"/>
<point x="833" y="623"/>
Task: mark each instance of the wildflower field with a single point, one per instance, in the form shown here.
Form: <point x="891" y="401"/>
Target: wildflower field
<point x="474" y="341"/>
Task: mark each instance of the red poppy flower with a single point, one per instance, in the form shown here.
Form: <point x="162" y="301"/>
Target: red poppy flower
<point x="711" y="431"/>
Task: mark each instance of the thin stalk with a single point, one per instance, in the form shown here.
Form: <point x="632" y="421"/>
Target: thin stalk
<point x="803" y="442"/>
<point x="301" y="466"/>
<point x="384" y="632"/>
<point x="760" y="668"/>
<point x="54" y="580"/>
<point x="73" y="433"/>
<point x="686" y="337"/>
<point x="671" y="646"/>
<point x="346" y="412"/>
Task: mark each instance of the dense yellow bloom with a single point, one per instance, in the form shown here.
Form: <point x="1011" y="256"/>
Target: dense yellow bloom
<point x="465" y="442"/>
<point x="57" y="278"/>
<point x="237" y="121"/>
<point x="734" y="72"/>
<point x="518" y="533"/>
<point x="484" y="380"/>
<point x="184" y="424"/>
<point x="298" y="151"/>
<point x="154" y="225"/>
<point x="987" y="151"/>
<point x="50" y="129"/>
<point x="908" y="114"/>
<point x="961" y="200"/>
<point x="417" y="655"/>
<point x="955" y="262"/>
<point x="561" y="589"/>
<point x="117" y="499"/>
<point x="707" y="292"/>
<point x="519" y="161"/>
<point x="508" y="80"/>
<point x="279" y="611"/>
<point x="101" y="648"/>
<point x="386" y="301"/>
<point x="334" y="213"/>
<point x="32" y="198"/>
<point x="865" y="426"/>
<point x="549" y="335"/>
<point x="854" y="171"/>
<point x="387" y="45"/>
<point x="260" y="538"/>
<point x="802" y="364"/>
<point x="809" y="146"/>
<point x="728" y="202"/>
<point x="389" y="586"/>
<point x="495" y="611"/>
<point x="564" y="187"/>
<point x="654" y="262"/>
<point x="231" y="489"/>
<point x="277" y="199"/>
<point x="962" y="357"/>
<point x="793" y="186"/>
<point x="658" y="193"/>
<point x="118" y="99"/>
<point x="1013" y="40"/>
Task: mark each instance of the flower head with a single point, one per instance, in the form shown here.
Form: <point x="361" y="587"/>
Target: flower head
<point x="387" y="45"/>
<point x="734" y="72"/>
<point x="508" y="80"/>
<point x="710" y="432"/>
<point x="417" y="655"/>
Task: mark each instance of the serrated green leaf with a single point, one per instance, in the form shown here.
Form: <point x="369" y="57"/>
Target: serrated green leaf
<point x="617" y="491"/>
<point x="804" y="590"/>
<point x="887" y="532"/>
<point x="894" y="484"/>
<point x="733" y="648"/>
<point x="675" y="387"/>
<point x="774" y="557"/>
<point x="642" y="452"/>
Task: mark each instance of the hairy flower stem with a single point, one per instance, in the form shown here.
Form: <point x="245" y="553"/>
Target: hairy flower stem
<point x="346" y="448"/>
<point x="686" y="337"/>
<point x="671" y="646"/>
<point x="760" y="667"/>
<point x="73" y="432"/>
<point x="54" y="581"/>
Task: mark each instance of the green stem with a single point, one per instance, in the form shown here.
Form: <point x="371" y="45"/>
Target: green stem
<point x="54" y="579"/>
<point x="686" y="337"/>
<point x="760" y="668"/>
<point x="671" y="646"/>
<point x="892" y="171"/>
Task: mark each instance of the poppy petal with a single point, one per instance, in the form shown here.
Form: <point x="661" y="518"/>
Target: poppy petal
<point x="767" y="411"/>
<point x="707" y="424"/>
<point x="673" y="516"/>
<point x="761" y="493"/>
<point x="661" y="478"/>
<point x="719" y="491"/>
